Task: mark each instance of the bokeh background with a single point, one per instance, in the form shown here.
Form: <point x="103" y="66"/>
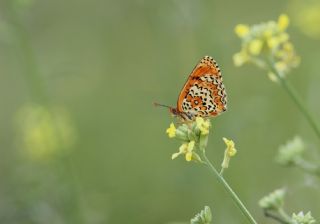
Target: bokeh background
<point x="81" y="142"/>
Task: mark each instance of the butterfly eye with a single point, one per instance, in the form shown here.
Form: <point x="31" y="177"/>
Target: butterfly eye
<point x="173" y="111"/>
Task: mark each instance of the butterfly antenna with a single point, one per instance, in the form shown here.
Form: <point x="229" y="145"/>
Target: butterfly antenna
<point x="160" y="105"/>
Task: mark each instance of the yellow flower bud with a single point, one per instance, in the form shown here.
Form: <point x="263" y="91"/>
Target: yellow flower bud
<point x="272" y="42"/>
<point x="203" y="125"/>
<point x="171" y="131"/>
<point x="240" y="58"/>
<point x="273" y="77"/>
<point x="288" y="47"/>
<point x="187" y="149"/>
<point x="230" y="147"/>
<point x="188" y="156"/>
<point x="190" y="146"/>
<point x="255" y="46"/>
<point x="283" y="22"/>
<point x="228" y="153"/>
<point x="281" y="66"/>
<point x="241" y="30"/>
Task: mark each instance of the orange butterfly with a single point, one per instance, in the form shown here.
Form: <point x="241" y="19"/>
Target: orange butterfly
<point x="204" y="94"/>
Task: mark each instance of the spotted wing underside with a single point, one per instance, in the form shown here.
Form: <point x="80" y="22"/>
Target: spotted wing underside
<point x="203" y="95"/>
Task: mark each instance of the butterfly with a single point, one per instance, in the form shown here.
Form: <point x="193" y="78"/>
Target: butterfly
<point x="203" y="94"/>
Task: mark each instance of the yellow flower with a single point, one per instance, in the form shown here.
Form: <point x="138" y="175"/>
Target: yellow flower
<point x="283" y="22"/>
<point x="288" y="47"/>
<point x="228" y="153"/>
<point x="240" y="58"/>
<point x="268" y="33"/>
<point x="281" y="66"/>
<point x="187" y="149"/>
<point x="199" y="121"/>
<point x="266" y="40"/>
<point x="171" y="131"/>
<point x="275" y="41"/>
<point x="230" y="147"/>
<point x="255" y="46"/>
<point x="273" y="77"/>
<point x="241" y="30"/>
<point x="203" y="125"/>
<point x="272" y="42"/>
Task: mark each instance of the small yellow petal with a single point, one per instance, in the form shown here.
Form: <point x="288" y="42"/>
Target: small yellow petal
<point x="231" y="151"/>
<point x="183" y="148"/>
<point x="206" y="124"/>
<point x="226" y="141"/>
<point x="288" y="47"/>
<point x="283" y="22"/>
<point x="189" y="156"/>
<point x="239" y="58"/>
<point x="282" y="66"/>
<point x="283" y="37"/>
<point x="204" y="131"/>
<point x="171" y="131"/>
<point x="267" y="33"/>
<point x="190" y="146"/>
<point x="203" y="125"/>
<point x="273" y="42"/>
<point x="241" y="30"/>
<point x="255" y="46"/>
<point x="199" y="121"/>
<point x="273" y="77"/>
<point x="175" y="155"/>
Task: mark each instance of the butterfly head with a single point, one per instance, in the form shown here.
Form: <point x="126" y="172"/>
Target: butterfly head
<point x="175" y="112"/>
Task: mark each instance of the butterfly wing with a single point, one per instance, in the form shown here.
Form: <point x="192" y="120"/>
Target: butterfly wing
<point x="203" y="95"/>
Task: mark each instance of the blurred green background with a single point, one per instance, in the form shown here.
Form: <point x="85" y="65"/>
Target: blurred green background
<point x="81" y="141"/>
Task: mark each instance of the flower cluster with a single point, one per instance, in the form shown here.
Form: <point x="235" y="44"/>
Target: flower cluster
<point x="302" y="218"/>
<point x="290" y="152"/>
<point x="204" y="217"/>
<point x="194" y="137"/>
<point x="273" y="201"/>
<point x="267" y="43"/>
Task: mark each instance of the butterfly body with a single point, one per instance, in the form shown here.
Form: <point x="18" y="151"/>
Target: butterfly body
<point x="203" y="94"/>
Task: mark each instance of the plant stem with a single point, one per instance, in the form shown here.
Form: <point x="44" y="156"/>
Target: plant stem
<point x="307" y="166"/>
<point x="275" y="217"/>
<point x="285" y="216"/>
<point x="232" y="194"/>
<point x="26" y="53"/>
<point x="221" y="172"/>
<point x="296" y="98"/>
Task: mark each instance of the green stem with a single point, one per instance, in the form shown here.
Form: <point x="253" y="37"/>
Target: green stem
<point x="26" y="53"/>
<point x="284" y="215"/>
<point x="296" y="98"/>
<point x="221" y="172"/>
<point x="232" y="194"/>
<point x="275" y="217"/>
<point x="307" y="166"/>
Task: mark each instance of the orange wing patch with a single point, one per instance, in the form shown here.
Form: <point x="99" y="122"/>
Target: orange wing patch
<point x="203" y="95"/>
